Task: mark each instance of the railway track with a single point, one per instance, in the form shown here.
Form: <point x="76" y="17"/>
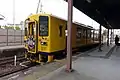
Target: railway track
<point x="10" y="60"/>
<point x="14" y="70"/>
<point x="7" y="65"/>
<point x="9" y="69"/>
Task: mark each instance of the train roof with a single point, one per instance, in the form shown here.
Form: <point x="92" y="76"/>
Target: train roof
<point x="83" y="25"/>
<point x="77" y="23"/>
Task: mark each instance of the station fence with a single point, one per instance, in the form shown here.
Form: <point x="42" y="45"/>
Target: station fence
<point x="11" y="37"/>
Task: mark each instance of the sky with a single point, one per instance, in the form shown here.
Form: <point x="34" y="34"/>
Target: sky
<point x="23" y="8"/>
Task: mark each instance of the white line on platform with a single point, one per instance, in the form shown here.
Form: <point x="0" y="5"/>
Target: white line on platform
<point x="13" y="77"/>
<point x="27" y="72"/>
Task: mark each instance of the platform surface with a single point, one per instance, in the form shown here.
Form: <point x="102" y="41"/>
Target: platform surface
<point x="90" y="68"/>
<point x="105" y="49"/>
<point x="85" y="68"/>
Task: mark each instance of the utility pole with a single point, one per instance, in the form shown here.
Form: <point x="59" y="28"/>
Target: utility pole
<point x="14" y="13"/>
<point x="38" y="6"/>
<point x="41" y="7"/>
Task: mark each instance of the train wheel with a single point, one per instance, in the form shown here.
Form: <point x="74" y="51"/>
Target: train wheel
<point x="43" y="58"/>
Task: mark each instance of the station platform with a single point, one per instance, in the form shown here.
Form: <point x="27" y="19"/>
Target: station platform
<point x="8" y="51"/>
<point x="104" y="52"/>
<point x="86" y="66"/>
<point x="11" y="47"/>
<point x="91" y="68"/>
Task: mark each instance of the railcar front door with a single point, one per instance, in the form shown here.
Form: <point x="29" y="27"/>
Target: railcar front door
<point x="32" y="38"/>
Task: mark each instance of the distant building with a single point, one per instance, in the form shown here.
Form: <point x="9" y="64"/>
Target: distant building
<point x="13" y="24"/>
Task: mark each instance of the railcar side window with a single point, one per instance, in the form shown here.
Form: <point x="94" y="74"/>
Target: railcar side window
<point x="32" y="29"/>
<point x="88" y="33"/>
<point x="84" y="33"/>
<point x="25" y="31"/>
<point x="60" y="30"/>
<point x="43" y="25"/>
<point x="28" y="29"/>
<point x="78" y="34"/>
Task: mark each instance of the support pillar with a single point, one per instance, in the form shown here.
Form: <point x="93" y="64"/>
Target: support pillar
<point x="69" y="28"/>
<point x="100" y="28"/>
<point x="97" y="35"/>
<point x="86" y="36"/>
<point x="108" y="38"/>
<point x="93" y="35"/>
<point x="90" y="31"/>
<point x="113" y="34"/>
<point x="100" y="34"/>
<point x="111" y="37"/>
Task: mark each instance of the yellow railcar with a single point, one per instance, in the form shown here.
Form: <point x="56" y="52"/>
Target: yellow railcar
<point x="45" y="36"/>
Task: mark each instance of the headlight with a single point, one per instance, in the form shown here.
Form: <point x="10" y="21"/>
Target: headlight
<point x="43" y="43"/>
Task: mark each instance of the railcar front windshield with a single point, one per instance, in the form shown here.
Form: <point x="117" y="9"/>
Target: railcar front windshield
<point x="43" y="25"/>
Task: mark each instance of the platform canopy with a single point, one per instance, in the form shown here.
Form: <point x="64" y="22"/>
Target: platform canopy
<point x="105" y="12"/>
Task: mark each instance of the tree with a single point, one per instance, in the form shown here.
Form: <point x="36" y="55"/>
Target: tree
<point x="17" y="28"/>
<point x="12" y="27"/>
<point x="5" y="27"/>
<point x="8" y="27"/>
